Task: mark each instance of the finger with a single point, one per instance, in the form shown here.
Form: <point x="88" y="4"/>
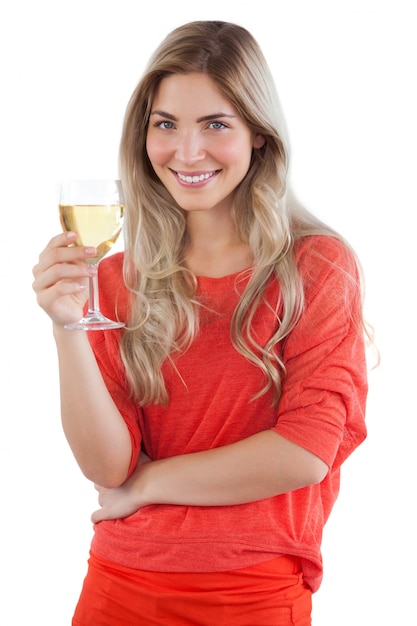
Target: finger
<point x="52" y="294"/>
<point x="60" y="241"/>
<point x="63" y="239"/>
<point x="61" y="250"/>
<point x="50" y="286"/>
<point x="57" y="256"/>
<point x="73" y="268"/>
<point x="96" y="517"/>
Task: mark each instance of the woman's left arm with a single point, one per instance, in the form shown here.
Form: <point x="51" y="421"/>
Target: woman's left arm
<point x="261" y="466"/>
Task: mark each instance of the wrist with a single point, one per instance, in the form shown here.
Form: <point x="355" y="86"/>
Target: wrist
<point x="140" y="485"/>
<point x="58" y="330"/>
<point x="64" y="336"/>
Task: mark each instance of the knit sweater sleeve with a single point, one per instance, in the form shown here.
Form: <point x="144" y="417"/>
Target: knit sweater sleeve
<point x="322" y="406"/>
<point x="105" y="345"/>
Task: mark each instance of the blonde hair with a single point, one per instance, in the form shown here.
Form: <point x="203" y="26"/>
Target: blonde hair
<point x="164" y="310"/>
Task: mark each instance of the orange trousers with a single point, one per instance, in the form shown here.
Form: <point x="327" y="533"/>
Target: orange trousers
<point x="269" y="594"/>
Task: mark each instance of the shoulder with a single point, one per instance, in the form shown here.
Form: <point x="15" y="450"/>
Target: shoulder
<point x="318" y="255"/>
<point x="113" y="292"/>
<point x="112" y="266"/>
<point x="325" y="247"/>
<point x="328" y="268"/>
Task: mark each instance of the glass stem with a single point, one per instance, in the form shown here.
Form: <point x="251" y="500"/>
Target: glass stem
<point x="93" y="298"/>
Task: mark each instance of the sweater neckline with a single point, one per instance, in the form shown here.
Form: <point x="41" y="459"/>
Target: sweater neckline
<point x="209" y="284"/>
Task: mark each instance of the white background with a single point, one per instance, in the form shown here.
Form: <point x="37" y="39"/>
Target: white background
<point x="346" y="74"/>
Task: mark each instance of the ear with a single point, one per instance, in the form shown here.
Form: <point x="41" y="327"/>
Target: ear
<point x="259" y="141"/>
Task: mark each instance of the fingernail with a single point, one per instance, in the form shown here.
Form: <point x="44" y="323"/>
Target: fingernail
<point x="90" y="251"/>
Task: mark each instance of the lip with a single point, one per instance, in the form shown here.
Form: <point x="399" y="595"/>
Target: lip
<point x="195" y="179"/>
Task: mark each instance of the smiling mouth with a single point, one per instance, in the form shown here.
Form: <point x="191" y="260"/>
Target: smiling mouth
<point x="196" y="178"/>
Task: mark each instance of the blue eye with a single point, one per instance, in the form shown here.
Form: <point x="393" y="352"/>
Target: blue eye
<point x="217" y="125"/>
<point x="165" y="125"/>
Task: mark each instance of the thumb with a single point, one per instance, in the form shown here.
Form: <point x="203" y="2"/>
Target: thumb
<point x="97" y="516"/>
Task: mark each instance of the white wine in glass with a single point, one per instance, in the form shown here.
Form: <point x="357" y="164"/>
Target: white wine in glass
<point x="93" y="209"/>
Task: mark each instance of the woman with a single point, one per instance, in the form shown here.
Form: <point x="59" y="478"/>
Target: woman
<point x="215" y="425"/>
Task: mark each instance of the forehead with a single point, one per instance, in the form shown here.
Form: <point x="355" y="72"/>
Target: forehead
<point x="190" y="91"/>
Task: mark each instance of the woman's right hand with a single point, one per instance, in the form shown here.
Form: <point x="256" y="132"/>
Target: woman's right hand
<point x="61" y="278"/>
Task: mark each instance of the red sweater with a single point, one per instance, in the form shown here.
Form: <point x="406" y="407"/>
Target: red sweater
<point x="321" y="408"/>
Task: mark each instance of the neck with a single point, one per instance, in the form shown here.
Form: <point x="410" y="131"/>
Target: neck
<point x="214" y="248"/>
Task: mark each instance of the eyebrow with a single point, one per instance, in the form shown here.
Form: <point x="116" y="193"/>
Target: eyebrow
<point x="205" y="118"/>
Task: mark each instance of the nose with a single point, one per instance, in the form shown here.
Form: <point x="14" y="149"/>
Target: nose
<point x="190" y="148"/>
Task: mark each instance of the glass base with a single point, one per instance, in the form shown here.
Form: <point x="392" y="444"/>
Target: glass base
<point x="94" y="321"/>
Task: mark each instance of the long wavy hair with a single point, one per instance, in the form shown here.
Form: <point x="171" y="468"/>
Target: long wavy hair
<point x="164" y="316"/>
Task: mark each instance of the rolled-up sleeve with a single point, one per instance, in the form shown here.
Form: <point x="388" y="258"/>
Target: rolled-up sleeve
<point x="322" y="407"/>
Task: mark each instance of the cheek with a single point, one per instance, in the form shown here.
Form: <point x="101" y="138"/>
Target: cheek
<point x="157" y="150"/>
<point x="237" y="161"/>
<point x="236" y="154"/>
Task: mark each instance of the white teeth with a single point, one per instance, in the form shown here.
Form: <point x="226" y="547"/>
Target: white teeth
<point x="194" y="179"/>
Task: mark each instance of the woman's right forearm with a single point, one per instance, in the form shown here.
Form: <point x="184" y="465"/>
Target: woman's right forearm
<point x="95" y="429"/>
<point x="93" y="426"/>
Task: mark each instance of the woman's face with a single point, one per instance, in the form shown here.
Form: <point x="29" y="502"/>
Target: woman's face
<point x="198" y="145"/>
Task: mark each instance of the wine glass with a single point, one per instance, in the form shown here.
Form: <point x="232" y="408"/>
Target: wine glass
<point x="94" y="210"/>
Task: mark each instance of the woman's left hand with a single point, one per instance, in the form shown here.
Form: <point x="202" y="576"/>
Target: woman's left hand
<point x="121" y="501"/>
